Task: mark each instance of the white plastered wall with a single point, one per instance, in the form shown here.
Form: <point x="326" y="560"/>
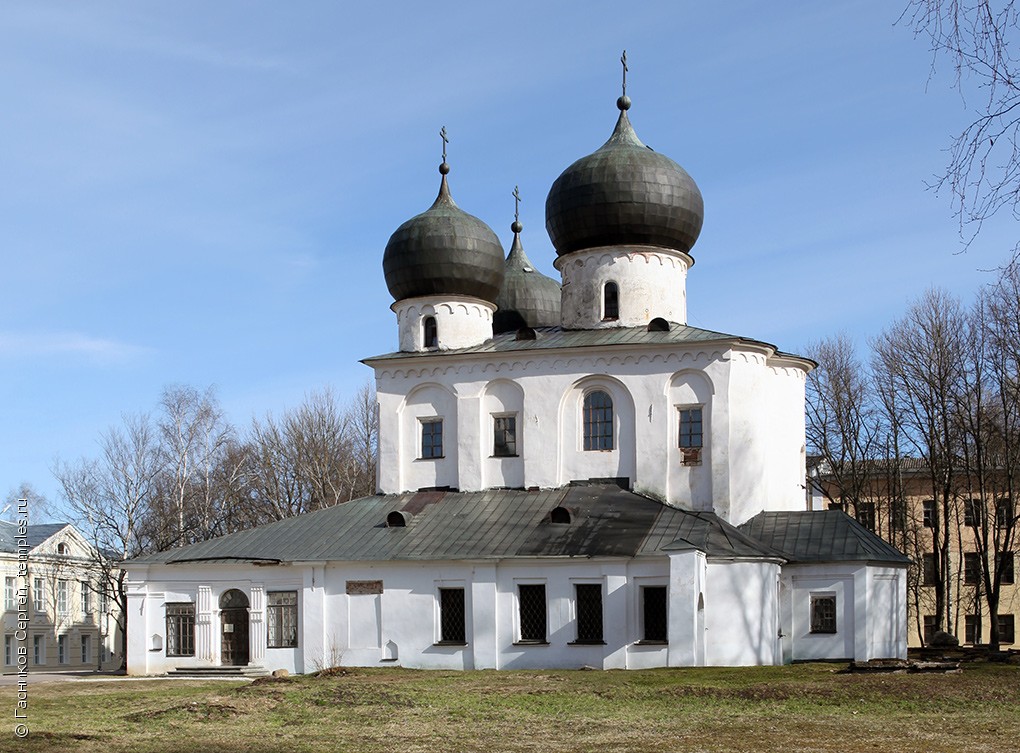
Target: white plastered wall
<point x="460" y="321"/>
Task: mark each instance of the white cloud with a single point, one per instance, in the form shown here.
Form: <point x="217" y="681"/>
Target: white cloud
<point x="59" y="344"/>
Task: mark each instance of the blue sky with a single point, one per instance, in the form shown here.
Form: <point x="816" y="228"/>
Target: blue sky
<point x="201" y="193"/>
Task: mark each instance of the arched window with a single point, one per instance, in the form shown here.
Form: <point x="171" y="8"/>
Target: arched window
<point x="611" y="305"/>
<point x="430" y="334"/>
<point x="61" y="548"/>
<point x="598" y="421"/>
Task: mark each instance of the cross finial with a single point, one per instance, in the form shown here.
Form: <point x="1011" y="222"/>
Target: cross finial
<point x="623" y="60"/>
<point x="517" y="204"/>
<point x="446" y="140"/>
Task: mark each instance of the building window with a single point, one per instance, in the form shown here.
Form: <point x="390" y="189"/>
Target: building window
<point x="611" y="304"/>
<point x="451" y="616"/>
<point x="598" y="421"/>
<point x="38" y="650"/>
<point x="8" y="650"/>
<point x="971" y="568"/>
<point x="531" y="603"/>
<point x="86" y="650"/>
<point x="1004" y="565"/>
<point x="866" y="515"/>
<point x="180" y="629"/>
<point x="1004" y="512"/>
<point x="282" y="619"/>
<point x="690" y="435"/>
<point x="928" y="514"/>
<point x="61" y="548"/>
<point x="928" y="569"/>
<point x="1007" y="626"/>
<point x="431" y="438"/>
<point x="10" y="593"/>
<point x="63" y="603"/>
<point x="588" y="597"/>
<point x="86" y="599"/>
<point x="430" y="333"/>
<point x="972" y="512"/>
<point x="62" y="649"/>
<point x="654" y="627"/>
<point x="899" y="515"/>
<point x="504" y="441"/>
<point x="823" y="613"/>
<point x="972" y="629"/>
<point x="929" y="629"/>
<point x="39" y="595"/>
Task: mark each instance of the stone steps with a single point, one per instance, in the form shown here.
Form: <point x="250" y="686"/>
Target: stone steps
<point x="217" y="673"/>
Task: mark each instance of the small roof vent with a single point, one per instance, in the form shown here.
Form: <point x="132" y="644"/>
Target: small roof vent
<point x="559" y="515"/>
<point x="397" y="519"/>
<point x="526" y="333"/>
<point x="658" y="324"/>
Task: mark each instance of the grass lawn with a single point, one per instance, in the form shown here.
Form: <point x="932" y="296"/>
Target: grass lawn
<point x="807" y="707"/>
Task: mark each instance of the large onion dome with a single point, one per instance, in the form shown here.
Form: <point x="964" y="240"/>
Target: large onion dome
<point x="528" y="298"/>
<point x="444" y="251"/>
<point x="624" y="194"/>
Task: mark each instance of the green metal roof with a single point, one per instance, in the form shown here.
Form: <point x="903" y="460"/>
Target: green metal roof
<point x="821" y="536"/>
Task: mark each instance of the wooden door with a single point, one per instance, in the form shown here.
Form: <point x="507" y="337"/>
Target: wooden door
<point x="234" y="642"/>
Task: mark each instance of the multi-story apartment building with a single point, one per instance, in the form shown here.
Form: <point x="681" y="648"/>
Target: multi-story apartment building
<point x="897" y="500"/>
<point x="57" y="614"/>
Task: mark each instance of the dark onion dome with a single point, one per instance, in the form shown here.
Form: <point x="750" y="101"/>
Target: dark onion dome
<point x="528" y="298"/>
<point x="624" y="194"/>
<point x="444" y="251"/>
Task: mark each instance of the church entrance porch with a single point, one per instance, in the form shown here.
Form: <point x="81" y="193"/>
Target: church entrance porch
<point x="234" y="628"/>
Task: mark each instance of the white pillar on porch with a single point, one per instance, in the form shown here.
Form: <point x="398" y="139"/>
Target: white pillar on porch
<point x="257" y="625"/>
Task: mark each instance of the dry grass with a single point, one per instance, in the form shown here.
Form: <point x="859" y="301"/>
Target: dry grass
<point x="802" y="708"/>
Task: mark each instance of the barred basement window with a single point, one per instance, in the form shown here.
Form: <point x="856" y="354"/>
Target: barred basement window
<point x="598" y="421"/>
<point x="432" y="438"/>
<point x="452" y="629"/>
<point x="823" y="614"/>
<point x="1007" y="628"/>
<point x="282" y="619"/>
<point x="929" y="515"/>
<point x="611" y="308"/>
<point x="180" y="629"/>
<point x="531" y="602"/>
<point x="430" y="332"/>
<point x="653" y="609"/>
<point x="588" y="597"/>
<point x="504" y="441"/>
<point x="971" y="568"/>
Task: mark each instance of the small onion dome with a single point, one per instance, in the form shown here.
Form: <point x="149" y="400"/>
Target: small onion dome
<point x="528" y="298"/>
<point x="624" y="194"/>
<point x="444" y="251"/>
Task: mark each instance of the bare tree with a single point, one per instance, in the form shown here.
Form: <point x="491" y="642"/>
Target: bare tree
<point x="37" y="503"/>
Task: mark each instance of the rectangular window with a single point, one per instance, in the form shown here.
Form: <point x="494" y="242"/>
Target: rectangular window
<point x="898" y="514"/>
<point x="8" y="650"/>
<point x="282" y="618"/>
<point x="866" y="515"/>
<point x="928" y="569"/>
<point x="10" y="593"/>
<point x="690" y="428"/>
<point x="531" y="602"/>
<point x="971" y="568"/>
<point x="823" y="613"/>
<point x="180" y="629"/>
<point x="38" y="650"/>
<point x="39" y="595"/>
<point x="972" y="512"/>
<point x="929" y="515"/>
<point x="654" y="627"/>
<point x="1007" y="626"/>
<point x="929" y="628"/>
<point x="86" y="600"/>
<point x="62" y="649"/>
<point x="504" y="441"/>
<point x="86" y="650"/>
<point x="972" y="629"/>
<point x="63" y="603"/>
<point x="1004" y="563"/>
<point x="451" y="616"/>
<point x="432" y="438"/>
<point x="1003" y="512"/>
<point x="588" y="598"/>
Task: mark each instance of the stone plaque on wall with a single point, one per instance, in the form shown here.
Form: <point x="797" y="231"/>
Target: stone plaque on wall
<point x="362" y="587"/>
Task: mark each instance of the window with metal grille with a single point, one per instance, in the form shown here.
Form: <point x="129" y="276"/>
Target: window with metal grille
<point x="971" y="568"/>
<point x="866" y="515"/>
<point x="973" y="512"/>
<point x="823" y="614"/>
<point x="971" y="628"/>
<point x="430" y="332"/>
<point x="654" y="627"/>
<point x="928" y="569"/>
<point x="531" y="601"/>
<point x="611" y="307"/>
<point x="1004" y="566"/>
<point x="282" y="619"/>
<point x="432" y="438"/>
<point x="504" y="441"/>
<point x="1007" y="625"/>
<point x="598" y="421"/>
<point x="588" y="597"/>
<point x="180" y="629"/>
<point x="690" y="428"/>
<point x="451" y="616"/>
<point x="928" y="513"/>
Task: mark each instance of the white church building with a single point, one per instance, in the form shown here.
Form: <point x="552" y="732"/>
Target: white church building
<point x="569" y="475"/>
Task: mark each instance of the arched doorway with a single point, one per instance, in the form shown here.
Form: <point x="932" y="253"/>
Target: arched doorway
<point x="233" y="628"/>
